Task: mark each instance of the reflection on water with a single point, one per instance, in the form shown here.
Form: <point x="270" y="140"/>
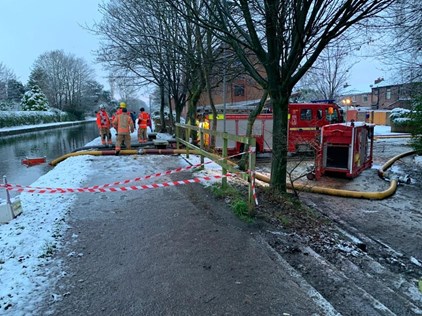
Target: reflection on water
<point x="51" y="143"/>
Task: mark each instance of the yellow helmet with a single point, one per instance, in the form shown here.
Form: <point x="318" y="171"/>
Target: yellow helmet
<point x="122" y="105"/>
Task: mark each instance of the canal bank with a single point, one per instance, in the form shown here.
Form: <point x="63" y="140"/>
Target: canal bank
<point x="7" y="131"/>
<point x="49" y="141"/>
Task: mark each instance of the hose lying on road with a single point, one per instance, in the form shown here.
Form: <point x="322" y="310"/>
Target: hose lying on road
<point x="389" y="163"/>
<point x="348" y="193"/>
<point x="337" y="192"/>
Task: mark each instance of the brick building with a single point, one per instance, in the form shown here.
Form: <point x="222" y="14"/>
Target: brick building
<point x="385" y="97"/>
<point x="393" y="96"/>
<point x="241" y="90"/>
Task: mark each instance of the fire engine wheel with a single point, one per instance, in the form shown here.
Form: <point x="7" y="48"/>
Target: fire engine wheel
<point x="310" y="176"/>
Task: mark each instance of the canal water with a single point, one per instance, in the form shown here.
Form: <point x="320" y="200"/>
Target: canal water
<point x="51" y="143"/>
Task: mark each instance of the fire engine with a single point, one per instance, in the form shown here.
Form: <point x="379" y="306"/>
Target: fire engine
<point x="305" y="121"/>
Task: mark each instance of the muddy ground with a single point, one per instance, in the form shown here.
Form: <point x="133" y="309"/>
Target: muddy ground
<point x="364" y="256"/>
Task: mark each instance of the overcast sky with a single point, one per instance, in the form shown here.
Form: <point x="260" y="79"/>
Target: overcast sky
<point x="29" y="28"/>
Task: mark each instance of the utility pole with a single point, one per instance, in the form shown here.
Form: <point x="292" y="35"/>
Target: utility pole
<point x="224" y="87"/>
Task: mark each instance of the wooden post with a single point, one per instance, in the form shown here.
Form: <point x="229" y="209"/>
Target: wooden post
<point x="177" y="137"/>
<point x="201" y="145"/>
<point x="251" y="170"/>
<point x="224" y="154"/>
<point x="187" y="135"/>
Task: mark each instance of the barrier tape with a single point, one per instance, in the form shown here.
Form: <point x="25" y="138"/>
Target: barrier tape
<point x="12" y="187"/>
<point x="120" y="182"/>
<point x="111" y="187"/>
<point x="156" y="175"/>
<point x="253" y="188"/>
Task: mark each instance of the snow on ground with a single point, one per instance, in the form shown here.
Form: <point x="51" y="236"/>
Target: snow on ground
<point x="382" y="130"/>
<point x="28" y="240"/>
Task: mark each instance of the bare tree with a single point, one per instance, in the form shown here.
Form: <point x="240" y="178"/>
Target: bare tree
<point x="125" y="84"/>
<point x="328" y="76"/>
<point x="142" y="37"/>
<point x="151" y="40"/>
<point x="286" y="37"/>
<point x="6" y="76"/>
<point x="402" y="48"/>
<point x="65" y="80"/>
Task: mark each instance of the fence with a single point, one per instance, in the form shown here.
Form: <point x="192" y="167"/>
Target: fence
<point x="226" y="165"/>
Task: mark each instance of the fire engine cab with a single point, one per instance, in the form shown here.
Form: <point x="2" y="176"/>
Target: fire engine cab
<point x="305" y="121"/>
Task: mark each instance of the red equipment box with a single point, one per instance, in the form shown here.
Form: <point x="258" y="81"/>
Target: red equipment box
<point x="345" y="149"/>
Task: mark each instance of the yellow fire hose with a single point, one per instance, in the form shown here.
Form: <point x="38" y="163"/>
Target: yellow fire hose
<point x="337" y="192"/>
<point x="390" y="162"/>
<point x="348" y="193"/>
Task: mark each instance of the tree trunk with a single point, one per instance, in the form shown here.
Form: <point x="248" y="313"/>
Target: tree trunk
<point x="280" y="104"/>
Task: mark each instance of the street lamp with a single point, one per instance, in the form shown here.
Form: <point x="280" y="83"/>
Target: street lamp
<point x="346" y="102"/>
<point x="224" y="88"/>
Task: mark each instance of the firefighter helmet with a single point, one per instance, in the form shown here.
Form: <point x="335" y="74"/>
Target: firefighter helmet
<point x="122" y="105"/>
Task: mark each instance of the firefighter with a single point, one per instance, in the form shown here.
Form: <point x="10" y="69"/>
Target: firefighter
<point x="103" y="123"/>
<point x="124" y="126"/>
<point x="143" y="118"/>
<point x="122" y="106"/>
<point x="205" y="124"/>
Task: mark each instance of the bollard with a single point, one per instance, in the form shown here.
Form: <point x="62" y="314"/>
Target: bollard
<point x="6" y="211"/>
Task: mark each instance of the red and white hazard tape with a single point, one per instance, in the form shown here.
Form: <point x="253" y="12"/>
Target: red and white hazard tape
<point x="253" y="188"/>
<point x="111" y="187"/>
<point x="168" y="172"/>
<point x="107" y="185"/>
<point x="12" y="187"/>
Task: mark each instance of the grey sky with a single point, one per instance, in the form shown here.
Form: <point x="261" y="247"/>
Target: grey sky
<point x="29" y="28"/>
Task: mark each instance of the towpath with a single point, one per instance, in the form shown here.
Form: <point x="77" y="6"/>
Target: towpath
<point x="170" y="251"/>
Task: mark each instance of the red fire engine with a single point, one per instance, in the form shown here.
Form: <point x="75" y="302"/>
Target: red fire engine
<point x="305" y="122"/>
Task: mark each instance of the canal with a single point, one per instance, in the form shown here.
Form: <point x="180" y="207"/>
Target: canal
<point x="51" y="143"/>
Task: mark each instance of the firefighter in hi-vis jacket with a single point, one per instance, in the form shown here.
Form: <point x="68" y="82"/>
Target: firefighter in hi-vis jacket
<point x="104" y="124"/>
<point x="124" y="126"/>
<point x="143" y="119"/>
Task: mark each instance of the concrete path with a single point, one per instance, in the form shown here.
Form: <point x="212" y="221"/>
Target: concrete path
<point x="170" y="251"/>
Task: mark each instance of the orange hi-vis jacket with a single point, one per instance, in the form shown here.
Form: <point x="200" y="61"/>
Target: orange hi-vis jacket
<point x="143" y="118"/>
<point x="102" y="119"/>
<point x="119" y="111"/>
<point x="123" y="124"/>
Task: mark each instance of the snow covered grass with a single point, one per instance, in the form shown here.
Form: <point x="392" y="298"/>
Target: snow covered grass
<point x="19" y="118"/>
<point x="29" y="240"/>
